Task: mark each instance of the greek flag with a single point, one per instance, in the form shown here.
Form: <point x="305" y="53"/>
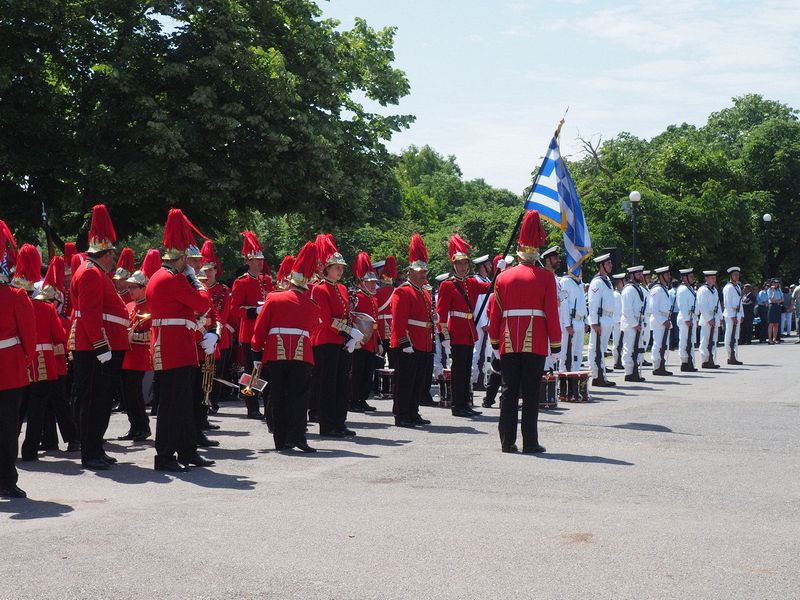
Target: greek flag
<point x="554" y="195"/>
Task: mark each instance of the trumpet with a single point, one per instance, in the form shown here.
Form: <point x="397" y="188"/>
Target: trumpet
<point x="138" y="320"/>
<point x="207" y="372"/>
<point x="252" y="383"/>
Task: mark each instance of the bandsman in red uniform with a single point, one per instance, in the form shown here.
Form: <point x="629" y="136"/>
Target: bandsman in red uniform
<point x="413" y="319"/>
<point x="455" y="306"/>
<point x="126" y="264"/>
<point x="49" y="334"/>
<point x="523" y="317"/>
<point x="330" y="355"/>
<point x="387" y="273"/>
<point x="220" y="296"/>
<point x="366" y="309"/>
<point x="178" y="313"/>
<point x="138" y="359"/>
<point x="17" y="351"/>
<point x="100" y="333"/>
<point x="282" y="336"/>
<point x="247" y="298"/>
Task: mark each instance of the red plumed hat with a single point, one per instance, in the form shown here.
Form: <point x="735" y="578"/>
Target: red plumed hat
<point x="210" y="257"/>
<point x="178" y="235"/>
<point x="305" y="265"/>
<point x="29" y="268"/>
<point x="151" y="263"/>
<point x="7" y="250"/>
<point x="390" y="268"/>
<point x="287" y="264"/>
<point x="126" y="264"/>
<point x="496" y="260"/>
<point x="327" y="252"/>
<point x="362" y="268"/>
<point x="252" y="247"/>
<point x="417" y="254"/>
<point x="54" y="281"/>
<point x="70" y="250"/>
<point x="458" y="248"/>
<point x="76" y="261"/>
<point x="531" y="236"/>
<point x="101" y="232"/>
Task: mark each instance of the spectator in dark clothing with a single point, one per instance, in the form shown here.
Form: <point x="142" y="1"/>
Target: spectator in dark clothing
<point x="762" y="309"/>
<point x="749" y="308"/>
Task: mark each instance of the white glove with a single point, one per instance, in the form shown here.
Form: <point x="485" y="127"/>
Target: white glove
<point x="496" y="353"/>
<point x="208" y="342"/>
<point x="350" y="345"/>
<point x="189" y="272"/>
<point x="554" y="360"/>
<point x="259" y="309"/>
<point x="501" y="264"/>
<point x="256" y="364"/>
<point x="409" y="350"/>
<point x="104" y="357"/>
<point x="356" y="335"/>
<point x="446" y="346"/>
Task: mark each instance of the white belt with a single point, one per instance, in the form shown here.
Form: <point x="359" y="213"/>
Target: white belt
<point x="188" y="323"/>
<point x="229" y="327"/>
<point x="385" y="317"/>
<point x="608" y="313"/>
<point x="523" y="312"/>
<point x="111" y="319"/>
<point x="288" y="331"/>
<point x="43" y="347"/>
<point x="416" y="323"/>
<point x="7" y="343"/>
<point x="462" y="315"/>
<point x="577" y="318"/>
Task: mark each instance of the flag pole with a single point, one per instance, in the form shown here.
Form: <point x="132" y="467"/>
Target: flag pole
<point x="477" y="316"/>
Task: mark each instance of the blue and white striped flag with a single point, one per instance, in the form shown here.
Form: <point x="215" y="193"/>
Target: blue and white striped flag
<point x="555" y="197"/>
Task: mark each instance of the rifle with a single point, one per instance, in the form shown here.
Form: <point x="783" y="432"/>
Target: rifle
<point x="690" y="337"/>
<point x="664" y="348"/>
<point x="636" y="339"/>
<point x="598" y="352"/>
<point x="711" y="343"/>
<point x="568" y="365"/>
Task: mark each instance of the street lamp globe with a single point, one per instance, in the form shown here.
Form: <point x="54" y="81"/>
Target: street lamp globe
<point x="767" y="217"/>
<point x="635" y="196"/>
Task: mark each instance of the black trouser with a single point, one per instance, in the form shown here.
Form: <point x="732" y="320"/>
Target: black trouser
<point x="59" y="413"/>
<point x="290" y="388"/>
<point x="333" y="368"/>
<point x="9" y="431"/>
<point x="460" y="374"/>
<point x="495" y="379"/>
<point x="134" y="400"/>
<point x="199" y="409"/>
<point x="363" y="362"/>
<point x="409" y="383"/>
<point x="94" y="385"/>
<point x="221" y="370"/>
<point x="746" y="330"/>
<point x="522" y="372"/>
<point x="175" y="427"/>
<point x="39" y="397"/>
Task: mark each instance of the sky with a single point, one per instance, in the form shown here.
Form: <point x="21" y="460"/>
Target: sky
<point x="490" y="80"/>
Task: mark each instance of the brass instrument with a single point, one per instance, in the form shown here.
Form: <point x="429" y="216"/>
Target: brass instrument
<point x="252" y="382"/>
<point x="208" y="370"/>
<point x="138" y="320"/>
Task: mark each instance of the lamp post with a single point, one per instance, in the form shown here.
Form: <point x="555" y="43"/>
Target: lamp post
<point x="767" y="218"/>
<point x="634" y="197"/>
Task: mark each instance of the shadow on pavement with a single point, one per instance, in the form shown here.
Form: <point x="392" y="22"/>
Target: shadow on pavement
<point x="450" y="429"/>
<point x="132" y="474"/>
<point x="209" y="478"/>
<point x="27" y="508"/>
<point x="643" y="427"/>
<point x="62" y="467"/>
<point x="325" y="453"/>
<point x="585" y="459"/>
<point x="219" y="453"/>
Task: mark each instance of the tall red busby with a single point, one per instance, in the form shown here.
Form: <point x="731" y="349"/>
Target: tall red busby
<point x="178" y="235"/>
<point x="54" y="281"/>
<point x="417" y="254"/>
<point x="70" y="250"/>
<point x="151" y="263"/>
<point x="305" y="265"/>
<point x="29" y="268"/>
<point x="531" y="236"/>
<point x="101" y="232"/>
<point x="327" y="252"/>
<point x="389" y="272"/>
<point x="458" y="248"/>
<point x="7" y="250"/>
<point x="362" y="268"/>
<point x="251" y="247"/>
<point x="126" y="264"/>
<point x="210" y="257"/>
<point x="285" y="270"/>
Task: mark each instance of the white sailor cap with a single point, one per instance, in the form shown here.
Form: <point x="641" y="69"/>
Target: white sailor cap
<point x="549" y="251"/>
<point x="732" y="269"/>
<point x="602" y="258"/>
<point x="636" y="269"/>
<point x="442" y="277"/>
<point x="688" y="271"/>
<point x="646" y="272"/>
<point x="709" y="273"/>
<point x="378" y="264"/>
<point x="660" y="270"/>
<point x="481" y="259"/>
<point x="618" y="276"/>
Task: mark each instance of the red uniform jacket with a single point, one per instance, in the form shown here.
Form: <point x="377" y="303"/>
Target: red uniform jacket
<point x="384" y="299"/>
<point x="246" y="294"/>
<point x="138" y="358"/>
<point x="368" y="305"/>
<point x="412" y="318"/>
<point x="175" y="307"/>
<point x="221" y="301"/>
<point x="49" y="334"/>
<point x="100" y="316"/>
<point x="334" y="307"/>
<point x="455" y="315"/>
<point x="286" y="326"/>
<point x="125" y="295"/>
<point x="18" y="335"/>
<point x="524" y="314"/>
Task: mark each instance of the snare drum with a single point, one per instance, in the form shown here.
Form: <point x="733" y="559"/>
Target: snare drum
<point x="546" y="402"/>
<point x="562" y="387"/>
<point x="583" y="386"/>
<point x="445" y="398"/>
<point x="386" y="378"/>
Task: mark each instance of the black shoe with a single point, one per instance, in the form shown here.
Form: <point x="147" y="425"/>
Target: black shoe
<point x="255" y="414"/>
<point x="634" y="378"/>
<point x="537" y="449"/>
<point x="427" y="402"/>
<point x="128" y="436"/>
<point x="685" y="368"/>
<point x="29" y="457"/>
<point x="733" y="361"/>
<point x="420" y="421"/>
<point x="108" y="459"/>
<point x="12" y="491"/>
<point x="512" y="449"/>
<point x="478" y="386"/>
<point x="369" y="408"/>
<point x="646" y="363"/>
<point x="602" y="382"/>
<point x="618" y="366"/>
<point x="473" y="412"/>
<point x="168" y="463"/>
<point x="333" y="434"/>
<point x="195" y="460"/>
<point x="662" y="371"/>
<point x="405" y="423"/>
<point x="356" y="408"/>
<point x="462" y="412"/>
<point x="304" y="447"/>
<point x="609" y="370"/>
<point x="142" y="435"/>
<point x="213" y="409"/>
<point x="487" y="404"/>
<point x="95" y="464"/>
<point x="204" y="442"/>
<point x="210" y="426"/>
<point x="347" y="432"/>
<point x="313" y="417"/>
<point x="74" y="446"/>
